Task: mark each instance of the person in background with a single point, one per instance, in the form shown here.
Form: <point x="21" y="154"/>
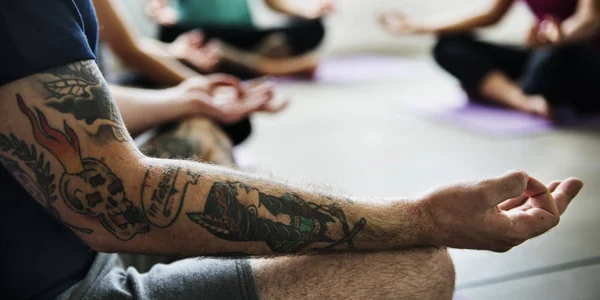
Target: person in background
<point x="559" y="67"/>
<point x="254" y="37"/>
<point x="156" y="66"/>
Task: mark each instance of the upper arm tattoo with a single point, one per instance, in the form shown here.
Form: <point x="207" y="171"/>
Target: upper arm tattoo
<point x="87" y="185"/>
<point x="78" y="90"/>
<point x="43" y="187"/>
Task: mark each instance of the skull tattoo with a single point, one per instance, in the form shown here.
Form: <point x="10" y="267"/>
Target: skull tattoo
<point x="88" y="186"/>
<point x="103" y="197"/>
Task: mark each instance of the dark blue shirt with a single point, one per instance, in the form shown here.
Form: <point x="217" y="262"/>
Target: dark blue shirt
<point x="40" y="257"/>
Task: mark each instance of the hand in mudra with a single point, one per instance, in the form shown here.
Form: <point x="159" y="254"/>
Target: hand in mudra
<point x="496" y="214"/>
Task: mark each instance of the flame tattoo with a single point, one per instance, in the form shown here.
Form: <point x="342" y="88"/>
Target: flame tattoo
<point x="88" y="186"/>
<point x="65" y="147"/>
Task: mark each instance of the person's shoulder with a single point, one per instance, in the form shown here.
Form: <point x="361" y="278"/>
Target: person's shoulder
<point x="44" y="34"/>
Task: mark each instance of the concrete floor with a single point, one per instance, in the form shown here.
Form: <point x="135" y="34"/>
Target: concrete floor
<point x="354" y="138"/>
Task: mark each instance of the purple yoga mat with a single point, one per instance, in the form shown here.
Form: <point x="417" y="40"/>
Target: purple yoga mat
<point x="478" y="117"/>
<point x="364" y="69"/>
<point x="454" y="110"/>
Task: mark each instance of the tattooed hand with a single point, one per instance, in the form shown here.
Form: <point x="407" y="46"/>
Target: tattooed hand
<point x="495" y="214"/>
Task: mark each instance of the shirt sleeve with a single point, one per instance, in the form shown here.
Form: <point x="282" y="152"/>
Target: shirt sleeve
<point x="36" y="35"/>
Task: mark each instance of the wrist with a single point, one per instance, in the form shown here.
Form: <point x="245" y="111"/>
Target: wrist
<point x="423" y="222"/>
<point x="422" y="28"/>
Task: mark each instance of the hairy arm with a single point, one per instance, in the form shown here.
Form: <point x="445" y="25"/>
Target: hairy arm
<point x="82" y="164"/>
<point x="146" y="56"/>
<point x="582" y="25"/>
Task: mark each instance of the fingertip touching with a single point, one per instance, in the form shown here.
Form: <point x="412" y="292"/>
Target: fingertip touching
<point x="511" y="184"/>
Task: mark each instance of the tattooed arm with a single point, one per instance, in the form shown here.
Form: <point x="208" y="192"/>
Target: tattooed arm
<point x="96" y="179"/>
<point x="63" y="139"/>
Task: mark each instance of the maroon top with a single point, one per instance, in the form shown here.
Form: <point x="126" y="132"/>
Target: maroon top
<point x="560" y="9"/>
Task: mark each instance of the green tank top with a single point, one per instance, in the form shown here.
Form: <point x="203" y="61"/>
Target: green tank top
<point x="217" y="13"/>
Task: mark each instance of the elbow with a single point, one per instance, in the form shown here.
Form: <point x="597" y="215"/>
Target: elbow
<point x="491" y="20"/>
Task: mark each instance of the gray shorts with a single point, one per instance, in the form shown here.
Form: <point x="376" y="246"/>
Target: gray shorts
<point x="194" y="278"/>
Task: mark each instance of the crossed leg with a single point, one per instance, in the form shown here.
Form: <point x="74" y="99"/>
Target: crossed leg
<point x="408" y="274"/>
<point x="195" y="138"/>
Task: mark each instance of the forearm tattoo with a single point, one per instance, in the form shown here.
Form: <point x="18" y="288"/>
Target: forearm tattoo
<point x="88" y="186"/>
<point x="163" y="196"/>
<point x="306" y="223"/>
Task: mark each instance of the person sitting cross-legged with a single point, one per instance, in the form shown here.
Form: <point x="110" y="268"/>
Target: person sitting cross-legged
<point x="559" y="67"/>
<point x="76" y="189"/>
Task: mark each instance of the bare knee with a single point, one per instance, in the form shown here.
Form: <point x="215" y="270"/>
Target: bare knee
<point x="195" y="139"/>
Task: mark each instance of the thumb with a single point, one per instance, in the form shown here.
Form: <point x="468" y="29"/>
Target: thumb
<point x="506" y="186"/>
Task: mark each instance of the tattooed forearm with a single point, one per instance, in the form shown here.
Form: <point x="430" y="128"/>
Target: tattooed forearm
<point x="287" y="223"/>
<point x="78" y="90"/>
<point x="163" y="193"/>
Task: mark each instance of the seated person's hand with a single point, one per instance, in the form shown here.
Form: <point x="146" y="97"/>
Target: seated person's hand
<point x="496" y="214"/>
<point x="161" y="12"/>
<point x="314" y="9"/>
<point x="190" y="47"/>
<point x="550" y="31"/>
<point x="399" y="23"/>
<point x="226" y="99"/>
<point x="547" y="32"/>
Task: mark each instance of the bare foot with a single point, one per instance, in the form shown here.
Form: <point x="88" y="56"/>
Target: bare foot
<point x="538" y="105"/>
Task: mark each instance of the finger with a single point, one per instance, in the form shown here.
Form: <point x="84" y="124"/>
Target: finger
<point x="248" y="106"/>
<point x="540" y="196"/>
<point x="225" y="80"/>
<point x="553" y="185"/>
<point x="386" y="18"/>
<point x="509" y="185"/>
<point x="277" y="105"/>
<point x="196" y="38"/>
<point x="259" y="88"/>
<point x="521" y="202"/>
<point x="249" y="84"/>
<point x="513" y="202"/>
<point x="566" y="192"/>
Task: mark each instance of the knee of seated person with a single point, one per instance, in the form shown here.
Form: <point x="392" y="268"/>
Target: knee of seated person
<point x="440" y="274"/>
<point x="448" y="47"/>
<point x="319" y="33"/>
<point x="551" y="58"/>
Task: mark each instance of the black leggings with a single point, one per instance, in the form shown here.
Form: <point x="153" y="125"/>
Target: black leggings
<point x="564" y="75"/>
<point x="302" y="36"/>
